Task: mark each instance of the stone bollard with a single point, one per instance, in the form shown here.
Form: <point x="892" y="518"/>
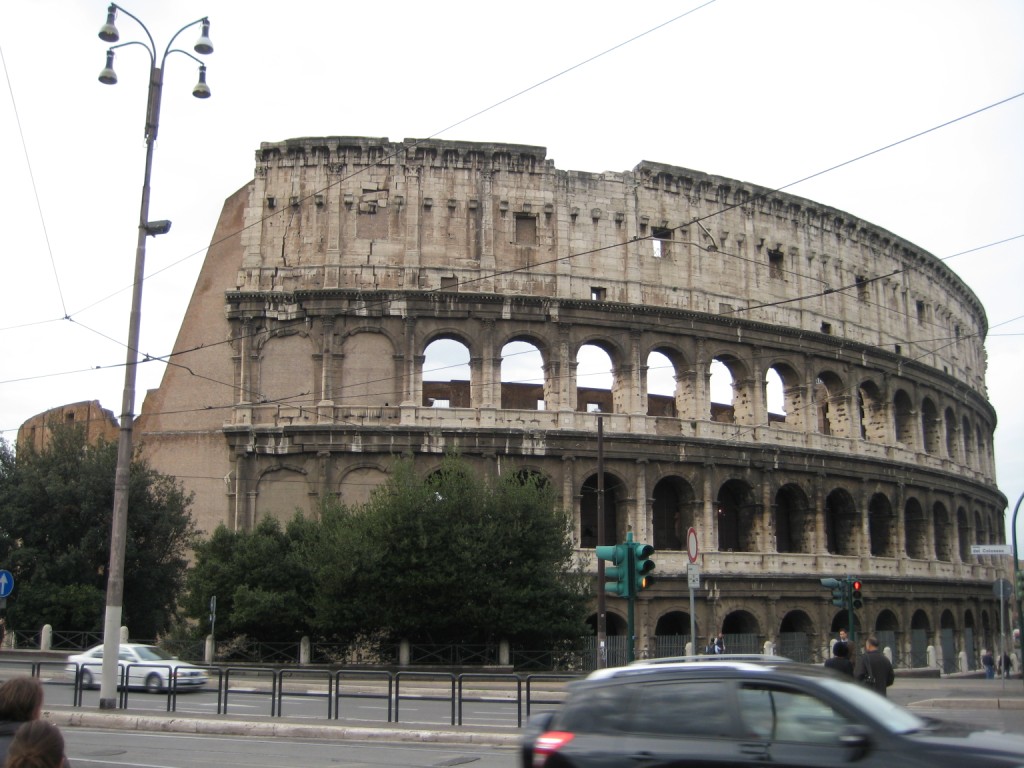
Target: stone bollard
<point x="123" y="635"/>
<point x="46" y="638"/>
<point x="769" y="648"/>
<point x="304" y="650"/>
<point x="403" y="653"/>
<point x="209" y="652"/>
<point x="962" y="661"/>
<point x="504" y="653"/>
<point x="933" y="657"/>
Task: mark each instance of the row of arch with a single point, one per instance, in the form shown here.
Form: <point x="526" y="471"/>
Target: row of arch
<point x="766" y="389"/>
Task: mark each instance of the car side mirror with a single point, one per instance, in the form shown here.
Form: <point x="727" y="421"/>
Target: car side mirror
<point x="856" y="740"/>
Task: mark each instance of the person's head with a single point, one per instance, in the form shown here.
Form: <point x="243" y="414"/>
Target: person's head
<point x="840" y="650"/>
<point x="871" y="643"/>
<point x="842" y="634"/>
<point x="36" y="744"/>
<point x="21" y="699"/>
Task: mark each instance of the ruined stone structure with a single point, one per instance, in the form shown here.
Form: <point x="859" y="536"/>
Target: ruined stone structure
<point x="97" y="421"/>
<point x="301" y="373"/>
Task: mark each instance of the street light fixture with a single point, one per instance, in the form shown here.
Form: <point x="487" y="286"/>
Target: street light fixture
<point x="119" y="521"/>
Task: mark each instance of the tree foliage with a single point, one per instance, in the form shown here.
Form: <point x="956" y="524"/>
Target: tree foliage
<point x="55" y="511"/>
<point x="446" y="559"/>
<point x="260" y="580"/>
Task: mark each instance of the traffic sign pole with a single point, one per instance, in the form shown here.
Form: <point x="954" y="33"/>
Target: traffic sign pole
<point x="692" y="551"/>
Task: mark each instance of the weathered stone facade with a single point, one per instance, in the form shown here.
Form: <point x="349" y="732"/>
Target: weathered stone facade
<point x="89" y="415"/>
<point x="301" y="374"/>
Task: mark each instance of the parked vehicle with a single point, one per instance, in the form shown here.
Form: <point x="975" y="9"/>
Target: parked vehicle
<point x="149" y="667"/>
<point x="737" y="712"/>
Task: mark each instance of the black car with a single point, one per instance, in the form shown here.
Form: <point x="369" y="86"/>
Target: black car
<point x="746" y="712"/>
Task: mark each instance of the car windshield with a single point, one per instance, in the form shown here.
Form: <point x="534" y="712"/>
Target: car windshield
<point x="890" y="716"/>
<point x="152" y="653"/>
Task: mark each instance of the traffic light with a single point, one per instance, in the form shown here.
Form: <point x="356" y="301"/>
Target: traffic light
<point x="617" y="574"/>
<point x="642" y="567"/>
<point x="839" y="591"/>
<point x="856" y="597"/>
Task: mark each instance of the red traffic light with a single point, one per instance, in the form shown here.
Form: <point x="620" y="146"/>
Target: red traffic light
<point x="856" y="585"/>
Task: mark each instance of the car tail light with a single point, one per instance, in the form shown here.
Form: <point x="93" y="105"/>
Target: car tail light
<point x="547" y="744"/>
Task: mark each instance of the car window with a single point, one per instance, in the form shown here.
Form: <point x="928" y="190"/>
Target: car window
<point x="594" y="710"/>
<point x="779" y="714"/>
<point x="151" y="653"/>
<point x="125" y="655"/>
<point x="697" y="708"/>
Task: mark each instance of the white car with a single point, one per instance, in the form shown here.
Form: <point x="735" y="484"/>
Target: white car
<point x="148" y="667"/>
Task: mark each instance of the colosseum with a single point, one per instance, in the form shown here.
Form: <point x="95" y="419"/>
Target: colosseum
<point x="306" y="366"/>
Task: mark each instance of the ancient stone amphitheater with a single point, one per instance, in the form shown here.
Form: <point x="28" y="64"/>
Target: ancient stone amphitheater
<point x="853" y="435"/>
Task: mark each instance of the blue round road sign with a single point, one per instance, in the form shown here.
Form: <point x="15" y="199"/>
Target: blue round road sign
<point x="6" y="583"/>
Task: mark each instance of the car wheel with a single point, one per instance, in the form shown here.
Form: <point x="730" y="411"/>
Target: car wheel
<point x="153" y="683"/>
<point x="86" y="678"/>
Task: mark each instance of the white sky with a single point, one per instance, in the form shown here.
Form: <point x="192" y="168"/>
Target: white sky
<point x="766" y="91"/>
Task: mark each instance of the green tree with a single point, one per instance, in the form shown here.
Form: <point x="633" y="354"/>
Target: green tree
<point x="260" y="579"/>
<point x="450" y="559"/>
<point x="55" y="511"/>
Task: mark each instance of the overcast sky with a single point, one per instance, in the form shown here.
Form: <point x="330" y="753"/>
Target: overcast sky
<point x="765" y="91"/>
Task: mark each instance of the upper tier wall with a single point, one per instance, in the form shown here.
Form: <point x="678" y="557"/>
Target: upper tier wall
<point x="371" y="214"/>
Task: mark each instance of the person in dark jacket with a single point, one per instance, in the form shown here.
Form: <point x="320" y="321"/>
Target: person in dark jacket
<point x="840" y="661"/>
<point x="21" y="700"/>
<point x="873" y="668"/>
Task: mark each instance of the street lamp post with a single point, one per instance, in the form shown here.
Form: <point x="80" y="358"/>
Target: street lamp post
<point x="119" y="521"/>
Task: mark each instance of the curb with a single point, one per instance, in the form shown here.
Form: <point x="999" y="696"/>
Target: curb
<point x="971" y="703"/>
<point x="270" y="729"/>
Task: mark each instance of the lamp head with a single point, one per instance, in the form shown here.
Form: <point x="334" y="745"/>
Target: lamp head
<point x="203" y="44"/>
<point x="108" y="76"/>
<point x="108" y="32"/>
<point x="202" y="90"/>
<point x="160" y="227"/>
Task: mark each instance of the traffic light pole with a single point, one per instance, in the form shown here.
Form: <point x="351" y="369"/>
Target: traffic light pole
<point x="1017" y="576"/>
<point x="851" y="622"/>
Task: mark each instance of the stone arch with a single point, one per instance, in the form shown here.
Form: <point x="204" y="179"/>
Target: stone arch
<point x="665" y="373"/>
<point x="947" y="620"/>
<point x="871" y="404"/>
<point x="887" y="621"/>
<point x="831" y="405"/>
<point x="524" y="380"/>
<point x="368" y="372"/>
<point x="980" y="531"/>
<point x="881" y="526"/>
<point x="615" y="625"/>
<point x="930" y="427"/>
<point x="742" y="632"/>
<point x="614" y="518"/>
<point x="915" y="530"/>
<point x="358" y="483"/>
<point x="841" y="620"/>
<point x="672" y="512"/>
<point x="740" y="407"/>
<point x="281" y="491"/>
<point x="840" y="523"/>
<point x="598" y="362"/>
<point x="673" y="623"/>
<point x="903" y="419"/>
<point x="952" y="441"/>
<point x="942" y="527"/>
<point x="794" y="520"/>
<point x="967" y="435"/>
<point x="793" y="395"/>
<point x="795" y="632"/>
<point x="739" y="517"/>
<point x="447" y="371"/>
<point x="287" y="373"/>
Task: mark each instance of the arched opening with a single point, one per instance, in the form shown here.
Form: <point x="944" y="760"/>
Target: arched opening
<point x="661" y="385"/>
<point x="588" y="512"/>
<point x="595" y="380"/>
<point x="739" y="518"/>
<point x="930" y="427"/>
<point x="795" y="634"/>
<point x="671" y="634"/>
<point x="947" y="642"/>
<point x="784" y="396"/>
<point x="963" y="531"/>
<point x="673" y="507"/>
<point x="943" y="530"/>
<point x="840" y="523"/>
<point x="830" y="403"/>
<point x="920" y="630"/>
<point x="952" y="441"/>
<point x="903" y="419"/>
<point x="732" y="392"/>
<point x="881" y="526"/>
<point x="447" y="380"/>
<point x="872" y="412"/>
<point x="523" y="383"/>
<point x="968" y="437"/>
<point x="916" y="531"/>
<point x="887" y="630"/>
<point x="742" y="633"/>
<point x="794" y="523"/>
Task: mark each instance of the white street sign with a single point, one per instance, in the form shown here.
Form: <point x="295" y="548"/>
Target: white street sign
<point x="693" y="575"/>
<point x="991" y="549"/>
